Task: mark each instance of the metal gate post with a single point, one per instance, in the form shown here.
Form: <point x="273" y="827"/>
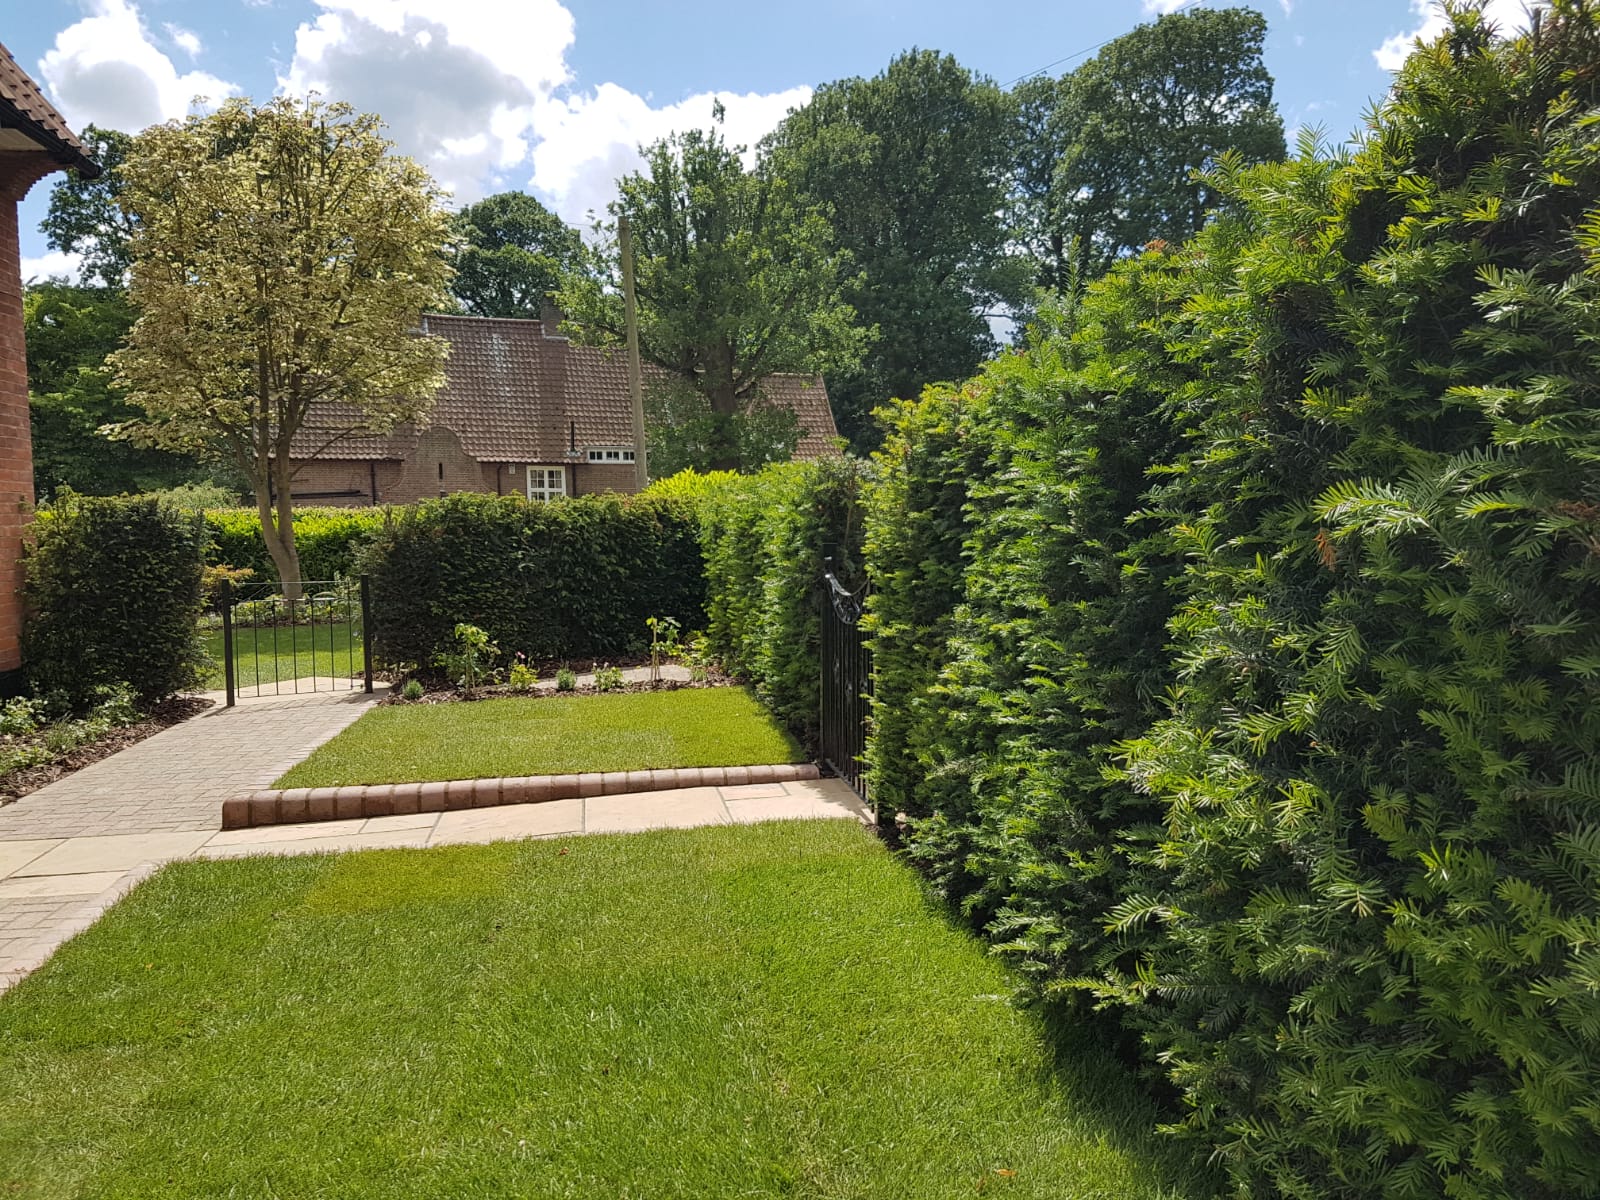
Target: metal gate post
<point x="366" y="634"/>
<point x="226" y="596"/>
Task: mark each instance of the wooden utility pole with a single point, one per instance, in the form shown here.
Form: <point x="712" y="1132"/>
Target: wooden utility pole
<point x="641" y="465"/>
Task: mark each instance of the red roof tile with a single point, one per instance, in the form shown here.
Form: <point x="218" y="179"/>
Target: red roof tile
<point x="23" y="107"/>
<point x="513" y="395"/>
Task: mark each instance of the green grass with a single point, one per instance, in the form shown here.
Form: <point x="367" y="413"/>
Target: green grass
<point x="758" y="1011"/>
<point x="556" y="735"/>
<point x="296" y="652"/>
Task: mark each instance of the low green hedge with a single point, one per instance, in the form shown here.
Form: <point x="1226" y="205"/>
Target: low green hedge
<point x="329" y="539"/>
<point x="570" y="580"/>
<point x="112" y="587"/>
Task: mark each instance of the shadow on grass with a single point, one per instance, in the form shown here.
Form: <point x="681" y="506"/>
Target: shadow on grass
<point x="1096" y="1066"/>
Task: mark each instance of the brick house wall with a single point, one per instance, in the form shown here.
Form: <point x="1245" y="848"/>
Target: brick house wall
<point x="16" y="446"/>
<point x="347" y="483"/>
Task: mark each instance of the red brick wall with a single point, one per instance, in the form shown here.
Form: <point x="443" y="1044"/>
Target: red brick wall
<point x="16" y="447"/>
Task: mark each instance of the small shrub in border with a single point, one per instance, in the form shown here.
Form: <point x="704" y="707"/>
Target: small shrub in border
<point x="113" y="594"/>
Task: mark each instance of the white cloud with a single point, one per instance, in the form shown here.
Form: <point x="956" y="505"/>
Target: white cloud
<point x="1160" y="8"/>
<point x="105" y="70"/>
<point x="479" y="91"/>
<point x="51" y="264"/>
<point x="456" y="80"/>
<point x="185" y="39"/>
<point x="1506" y="15"/>
<point x="585" y="142"/>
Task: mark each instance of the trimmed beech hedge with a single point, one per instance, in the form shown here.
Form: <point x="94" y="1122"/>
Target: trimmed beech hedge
<point x="329" y="540"/>
<point x="112" y="587"/>
<point x="571" y="580"/>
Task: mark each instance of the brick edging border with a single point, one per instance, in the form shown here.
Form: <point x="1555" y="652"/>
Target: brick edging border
<point x="296" y="805"/>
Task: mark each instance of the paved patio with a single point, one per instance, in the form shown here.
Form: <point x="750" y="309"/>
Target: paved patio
<point x="72" y="849"/>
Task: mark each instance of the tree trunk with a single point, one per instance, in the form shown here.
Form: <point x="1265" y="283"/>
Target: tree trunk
<point x="277" y="525"/>
<point x="724" y="408"/>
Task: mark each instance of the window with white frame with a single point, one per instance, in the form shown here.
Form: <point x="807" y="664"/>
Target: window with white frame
<point x="546" y="483"/>
<point x="610" y="454"/>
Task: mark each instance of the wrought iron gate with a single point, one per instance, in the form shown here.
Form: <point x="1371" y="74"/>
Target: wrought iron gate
<point x="276" y="646"/>
<point x="846" y="683"/>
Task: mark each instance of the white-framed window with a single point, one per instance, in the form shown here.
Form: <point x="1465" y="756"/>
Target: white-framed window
<point x="610" y="454"/>
<point x="546" y="483"/>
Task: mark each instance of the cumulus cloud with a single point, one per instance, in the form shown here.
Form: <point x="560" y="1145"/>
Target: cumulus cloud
<point x="1507" y="15"/>
<point x="105" y="70"/>
<point x="456" y="80"/>
<point x="586" y="141"/>
<point x="1160" y="8"/>
<point x="53" y="264"/>
<point x="479" y="91"/>
<point x="184" y="39"/>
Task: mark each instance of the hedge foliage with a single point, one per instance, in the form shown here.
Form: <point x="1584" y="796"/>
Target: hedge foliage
<point x="1238" y="643"/>
<point x="330" y="540"/>
<point x="573" y="580"/>
<point x="112" y="589"/>
<point x="764" y="538"/>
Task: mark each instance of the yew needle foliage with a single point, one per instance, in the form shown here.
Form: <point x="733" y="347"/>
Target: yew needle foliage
<point x="1238" y="642"/>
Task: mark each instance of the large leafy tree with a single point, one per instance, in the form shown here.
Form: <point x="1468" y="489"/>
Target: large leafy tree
<point x="1136" y="128"/>
<point x="512" y="254"/>
<point x="282" y="256"/>
<point x="738" y="280"/>
<point x="85" y="217"/>
<point x="70" y="330"/>
<point x="913" y="167"/>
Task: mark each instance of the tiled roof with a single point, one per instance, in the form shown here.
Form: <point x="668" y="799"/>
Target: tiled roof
<point x="513" y="395"/>
<point x="24" y="108"/>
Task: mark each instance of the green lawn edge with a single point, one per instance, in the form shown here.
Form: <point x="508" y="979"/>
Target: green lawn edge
<point x="758" y="1011"/>
<point x="549" y="735"/>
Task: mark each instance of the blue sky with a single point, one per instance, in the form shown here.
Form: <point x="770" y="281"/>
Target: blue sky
<point x="554" y="95"/>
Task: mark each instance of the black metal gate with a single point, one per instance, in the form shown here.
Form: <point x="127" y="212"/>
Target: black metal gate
<point x="846" y="683"/>
<point x="273" y="645"/>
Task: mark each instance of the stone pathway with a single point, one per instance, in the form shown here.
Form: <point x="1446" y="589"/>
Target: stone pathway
<point x="72" y="849"/>
<point x="82" y="840"/>
<point x="179" y="778"/>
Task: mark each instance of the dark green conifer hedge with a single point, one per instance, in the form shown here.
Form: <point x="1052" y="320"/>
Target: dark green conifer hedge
<point x="1238" y="644"/>
<point x="112" y="589"/>
<point x="573" y="580"/>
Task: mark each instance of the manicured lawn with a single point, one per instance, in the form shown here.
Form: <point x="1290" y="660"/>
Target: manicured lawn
<point x="286" y="653"/>
<point x="556" y="735"/>
<point x="759" y="1011"/>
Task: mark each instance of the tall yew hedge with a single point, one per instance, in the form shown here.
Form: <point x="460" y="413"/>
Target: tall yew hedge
<point x="764" y="537"/>
<point x="1238" y="643"/>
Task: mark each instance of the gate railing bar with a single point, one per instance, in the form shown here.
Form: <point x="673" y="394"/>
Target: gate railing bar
<point x="334" y="603"/>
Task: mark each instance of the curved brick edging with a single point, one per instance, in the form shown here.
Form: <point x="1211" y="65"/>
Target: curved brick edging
<point x="297" y="805"/>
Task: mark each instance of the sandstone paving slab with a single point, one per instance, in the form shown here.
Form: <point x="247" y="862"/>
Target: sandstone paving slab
<point x="16" y="855"/>
<point x="425" y="820"/>
<point x="679" y="809"/>
<point x="509" y="821"/>
<point x="753" y="791"/>
<point x="286" y="833"/>
<point x="90" y="883"/>
<point x="402" y="839"/>
<point x="118" y="852"/>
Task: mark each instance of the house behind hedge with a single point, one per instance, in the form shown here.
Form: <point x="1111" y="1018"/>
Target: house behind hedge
<point x="522" y="411"/>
